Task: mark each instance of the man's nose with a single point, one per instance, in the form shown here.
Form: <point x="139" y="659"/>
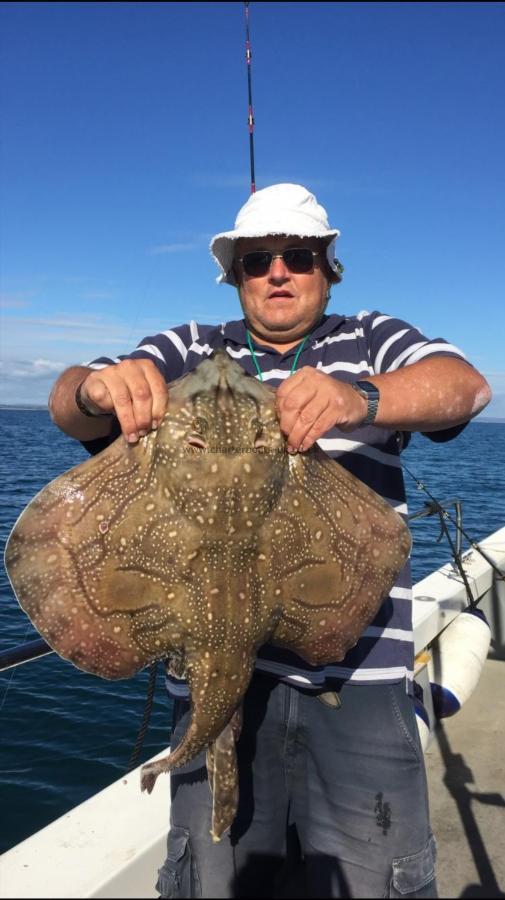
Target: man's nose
<point x="278" y="269"/>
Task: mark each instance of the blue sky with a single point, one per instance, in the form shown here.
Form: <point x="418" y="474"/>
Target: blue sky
<point x="125" y="148"/>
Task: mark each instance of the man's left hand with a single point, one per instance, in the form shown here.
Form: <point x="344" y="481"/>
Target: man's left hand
<point x="310" y="402"/>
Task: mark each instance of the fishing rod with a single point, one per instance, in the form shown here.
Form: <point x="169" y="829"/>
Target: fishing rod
<point x="436" y="508"/>
<point x="250" y="118"/>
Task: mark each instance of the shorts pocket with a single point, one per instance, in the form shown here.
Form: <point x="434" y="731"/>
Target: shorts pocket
<point x="404" y="712"/>
<point x="178" y="876"/>
<point x="414" y="876"/>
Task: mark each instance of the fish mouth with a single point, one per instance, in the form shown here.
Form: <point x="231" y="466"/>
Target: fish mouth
<point x="195" y="440"/>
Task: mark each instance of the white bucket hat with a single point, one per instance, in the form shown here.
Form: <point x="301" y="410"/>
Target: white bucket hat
<point x="279" y="209"/>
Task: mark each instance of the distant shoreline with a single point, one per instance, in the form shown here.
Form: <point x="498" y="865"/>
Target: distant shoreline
<point x="20" y="407"/>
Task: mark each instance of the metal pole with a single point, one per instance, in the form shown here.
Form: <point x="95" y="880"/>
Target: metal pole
<point x="24" y="653"/>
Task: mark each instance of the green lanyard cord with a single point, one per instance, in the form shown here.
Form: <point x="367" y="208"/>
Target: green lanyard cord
<point x="256" y="363"/>
<point x="300" y="348"/>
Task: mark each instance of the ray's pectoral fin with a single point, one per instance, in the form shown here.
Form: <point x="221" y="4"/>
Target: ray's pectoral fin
<point x="222" y="770"/>
<point x="91" y="568"/>
<point x="336" y="550"/>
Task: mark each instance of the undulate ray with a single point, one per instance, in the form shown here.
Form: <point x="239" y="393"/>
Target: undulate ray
<point x="202" y="542"/>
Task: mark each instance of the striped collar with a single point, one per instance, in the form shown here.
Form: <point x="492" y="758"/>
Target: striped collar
<point x="236" y="331"/>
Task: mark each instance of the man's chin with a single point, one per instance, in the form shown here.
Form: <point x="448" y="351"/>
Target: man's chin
<point x="278" y="334"/>
<point x="281" y="324"/>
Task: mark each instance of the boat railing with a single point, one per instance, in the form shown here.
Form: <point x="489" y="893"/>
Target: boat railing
<point x="434" y="508"/>
<point x="23" y="653"/>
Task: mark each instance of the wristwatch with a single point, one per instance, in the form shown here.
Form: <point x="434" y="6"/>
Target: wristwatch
<point x="371" y="395"/>
<point x="82" y="406"/>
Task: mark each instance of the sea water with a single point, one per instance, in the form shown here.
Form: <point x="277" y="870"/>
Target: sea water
<point x="66" y="734"/>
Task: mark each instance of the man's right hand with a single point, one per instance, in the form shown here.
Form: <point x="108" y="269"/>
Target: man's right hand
<point x="133" y="390"/>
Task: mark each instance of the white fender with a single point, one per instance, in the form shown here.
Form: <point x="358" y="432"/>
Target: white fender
<point x="457" y="658"/>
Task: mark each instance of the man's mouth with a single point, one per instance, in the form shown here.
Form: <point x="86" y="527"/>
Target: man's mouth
<point x="283" y="295"/>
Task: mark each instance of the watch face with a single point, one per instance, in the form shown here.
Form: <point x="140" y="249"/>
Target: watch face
<point x="371" y="390"/>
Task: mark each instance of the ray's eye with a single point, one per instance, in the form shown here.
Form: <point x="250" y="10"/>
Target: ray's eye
<point x="200" y="425"/>
<point x="257" y="427"/>
<point x="196" y="437"/>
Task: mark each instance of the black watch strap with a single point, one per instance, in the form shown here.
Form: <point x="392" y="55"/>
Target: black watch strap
<point x="82" y="406"/>
<point x="371" y="394"/>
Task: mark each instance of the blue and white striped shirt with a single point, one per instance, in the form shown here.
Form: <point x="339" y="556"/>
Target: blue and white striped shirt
<point x="347" y="348"/>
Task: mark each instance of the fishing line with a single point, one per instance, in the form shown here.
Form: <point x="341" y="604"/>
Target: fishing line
<point x="458" y="561"/>
<point x="444" y="515"/>
<point x="9" y="683"/>
<point x="4" y="698"/>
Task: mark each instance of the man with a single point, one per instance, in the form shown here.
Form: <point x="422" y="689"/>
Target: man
<point x="332" y="781"/>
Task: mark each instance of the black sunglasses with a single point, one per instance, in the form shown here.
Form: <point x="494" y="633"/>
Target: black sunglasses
<point x="299" y="261"/>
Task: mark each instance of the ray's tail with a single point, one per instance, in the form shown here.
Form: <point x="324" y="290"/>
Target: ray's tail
<point x="216" y="692"/>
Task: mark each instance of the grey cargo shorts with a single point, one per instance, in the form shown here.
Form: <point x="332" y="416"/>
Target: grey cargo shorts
<point x="333" y="802"/>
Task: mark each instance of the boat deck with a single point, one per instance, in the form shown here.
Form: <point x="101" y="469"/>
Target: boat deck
<point x="466" y="774"/>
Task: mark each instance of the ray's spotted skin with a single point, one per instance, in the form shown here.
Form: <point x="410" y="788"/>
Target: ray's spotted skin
<point x="202" y="542"/>
<point x="223" y="776"/>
